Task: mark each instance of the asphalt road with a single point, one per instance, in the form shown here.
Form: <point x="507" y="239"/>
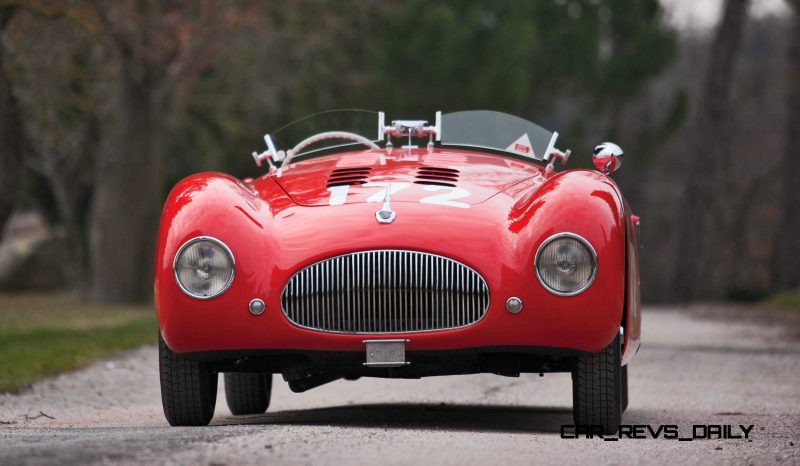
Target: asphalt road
<point x="728" y="369"/>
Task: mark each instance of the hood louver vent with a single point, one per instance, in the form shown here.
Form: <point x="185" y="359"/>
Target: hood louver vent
<point x="437" y="176"/>
<point x="348" y="176"/>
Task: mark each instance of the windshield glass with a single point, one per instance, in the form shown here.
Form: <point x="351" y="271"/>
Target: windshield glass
<point x="483" y="129"/>
<point x="361" y="122"/>
<point x="496" y="131"/>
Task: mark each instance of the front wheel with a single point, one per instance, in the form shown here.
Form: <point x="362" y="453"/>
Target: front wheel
<point x="624" y="388"/>
<point x="188" y="388"/>
<point x="248" y="393"/>
<point x="597" y="389"/>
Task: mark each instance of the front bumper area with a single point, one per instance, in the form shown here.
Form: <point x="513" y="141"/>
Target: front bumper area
<point x="586" y="322"/>
<point x="303" y="368"/>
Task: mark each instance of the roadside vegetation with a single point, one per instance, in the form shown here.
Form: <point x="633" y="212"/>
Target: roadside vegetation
<point x="788" y="300"/>
<point x="45" y="334"/>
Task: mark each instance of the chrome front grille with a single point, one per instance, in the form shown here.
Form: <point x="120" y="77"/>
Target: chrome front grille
<point x="385" y="291"/>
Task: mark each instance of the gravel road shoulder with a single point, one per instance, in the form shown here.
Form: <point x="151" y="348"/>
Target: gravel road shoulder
<point x="691" y="370"/>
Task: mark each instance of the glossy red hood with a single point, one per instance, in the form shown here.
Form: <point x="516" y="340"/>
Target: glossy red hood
<point x="454" y="176"/>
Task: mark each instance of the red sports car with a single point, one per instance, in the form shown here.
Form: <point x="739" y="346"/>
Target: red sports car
<point x="400" y="250"/>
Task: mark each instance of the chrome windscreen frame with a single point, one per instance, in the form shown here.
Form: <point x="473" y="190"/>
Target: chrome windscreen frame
<point x="276" y="158"/>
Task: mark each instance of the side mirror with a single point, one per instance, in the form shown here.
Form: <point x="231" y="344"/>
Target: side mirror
<point x="607" y="157"/>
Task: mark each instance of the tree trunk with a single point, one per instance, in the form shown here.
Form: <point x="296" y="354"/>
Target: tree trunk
<point x="787" y="246"/>
<point x="127" y="197"/>
<point x="704" y="248"/>
<point x="66" y="200"/>
<point x="11" y="135"/>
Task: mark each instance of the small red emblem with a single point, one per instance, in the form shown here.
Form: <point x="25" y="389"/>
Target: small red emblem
<point x="521" y="148"/>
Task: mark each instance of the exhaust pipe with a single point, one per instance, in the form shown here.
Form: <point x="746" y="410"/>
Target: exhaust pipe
<point x="312" y="381"/>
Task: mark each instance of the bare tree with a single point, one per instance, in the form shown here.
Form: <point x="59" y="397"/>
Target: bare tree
<point x="787" y="245"/>
<point x="704" y="237"/>
<point x="54" y="88"/>
<point x="64" y="166"/>
<point x="12" y="141"/>
<point x="160" y="48"/>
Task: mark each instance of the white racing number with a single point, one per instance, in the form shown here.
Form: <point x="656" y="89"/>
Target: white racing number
<point x="381" y="195"/>
<point x="448" y="198"/>
<point x="338" y="194"/>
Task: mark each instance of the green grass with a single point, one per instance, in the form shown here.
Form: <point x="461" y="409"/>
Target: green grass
<point x="45" y="334"/>
<point x="789" y="300"/>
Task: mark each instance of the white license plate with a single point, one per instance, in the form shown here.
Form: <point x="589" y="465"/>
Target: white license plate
<point x="386" y="353"/>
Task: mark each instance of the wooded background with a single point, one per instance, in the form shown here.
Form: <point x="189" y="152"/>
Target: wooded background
<point x="106" y="104"/>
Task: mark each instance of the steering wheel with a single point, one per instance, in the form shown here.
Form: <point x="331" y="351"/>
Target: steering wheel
<point x="324" y="137"/>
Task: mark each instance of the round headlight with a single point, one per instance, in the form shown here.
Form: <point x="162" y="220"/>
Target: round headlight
<point x="204" y="267"/>
<point x="565" y="264"/>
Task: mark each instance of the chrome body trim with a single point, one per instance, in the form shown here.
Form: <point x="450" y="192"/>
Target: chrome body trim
<point x="385" y="291"/>
<point x="514" y="305"/>
<point x="386" y="214"/>
<point x="550" y="146"/>
<point x="607" y="157"/>
<point x="256" y="307"/>
<point x="381" y="125"/>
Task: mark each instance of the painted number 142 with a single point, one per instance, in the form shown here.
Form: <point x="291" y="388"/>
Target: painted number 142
<point x="446" y="198"/>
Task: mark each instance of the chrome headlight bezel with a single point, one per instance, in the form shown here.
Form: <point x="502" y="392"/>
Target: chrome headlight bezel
<point x="216" y="242"/>
<point x="585" y="244"/>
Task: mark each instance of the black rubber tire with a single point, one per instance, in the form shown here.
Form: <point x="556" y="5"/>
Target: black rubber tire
<point x="248" y="393"/>
<point x="188" y="388"/>
<point x="624" y="387"/>
<point x="597" y="391"/>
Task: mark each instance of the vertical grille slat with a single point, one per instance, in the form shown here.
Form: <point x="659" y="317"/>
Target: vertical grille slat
<point x="385" y="291"/>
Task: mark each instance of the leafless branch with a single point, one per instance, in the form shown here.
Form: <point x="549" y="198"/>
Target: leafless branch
<point x="41" y="414"/>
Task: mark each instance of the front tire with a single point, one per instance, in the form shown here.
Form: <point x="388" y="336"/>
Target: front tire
<point x="597" y="389"/>
<point x="624" y="388"/>
<point x="188" y="388"/>
<point x="248" y="393"/>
